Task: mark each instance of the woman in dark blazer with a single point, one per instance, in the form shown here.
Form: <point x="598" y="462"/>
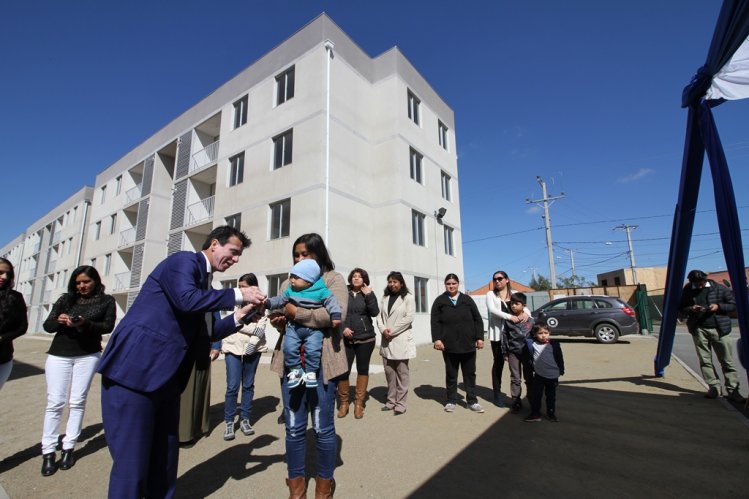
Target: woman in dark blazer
<point x="458" y="330"/>
<point x="13" y="322"/>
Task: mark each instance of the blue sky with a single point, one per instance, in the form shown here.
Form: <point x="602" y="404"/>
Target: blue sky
<point x="585" y="94"/>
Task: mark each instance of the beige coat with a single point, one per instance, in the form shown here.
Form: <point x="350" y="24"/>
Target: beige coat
<point x="399" y="320"/>
<point x="333" y="361"/>
<point x="238" y="342"/>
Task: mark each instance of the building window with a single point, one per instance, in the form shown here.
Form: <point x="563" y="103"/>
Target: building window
<point x="617" y="281"/>
<point x="240" y="112"/>
<point x="236" y="169"/>
<point x="417" y="228"/>
<point x="280" y="215"/>
<point x="449" y="248"/>
<point x="420" y="293"/>
<point x="229" y="284"/>
<point x="416" y="170"/>
<point x="103" y="194"/>
<point x="413" y="108"/>
<point x="112" y="223"/>
<point x="93" y="262"/>
<point x="234" y="221"/>
<point x="282" y="149"/>
<point x="107" y="263"/>
<point x="274" y="283"/>
<point x="446" y="191"/>
<point x="442" y="134"/>
<point x="605" y="282"/>
<point x="97" y="231"/>
<point x="118" y="185"/>
<point x="285" y="86"/>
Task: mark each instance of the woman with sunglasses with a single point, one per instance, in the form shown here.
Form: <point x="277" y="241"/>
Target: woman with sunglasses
<point x="498" y="304"/>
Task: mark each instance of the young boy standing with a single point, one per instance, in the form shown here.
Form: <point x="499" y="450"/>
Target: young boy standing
<point x="548" y="366"/>
<point x="514" y="335"/>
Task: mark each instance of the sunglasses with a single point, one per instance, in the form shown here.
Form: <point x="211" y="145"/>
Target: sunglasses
<point x="499" y="279"/>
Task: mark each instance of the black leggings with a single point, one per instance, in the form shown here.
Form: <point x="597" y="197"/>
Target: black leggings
<point x="363" y="354"/>
<point x="499" y="364"/>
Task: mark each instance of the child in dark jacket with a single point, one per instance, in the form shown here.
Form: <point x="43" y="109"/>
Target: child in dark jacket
<point x="514" y="335"/>
<point x="548" y="366"/>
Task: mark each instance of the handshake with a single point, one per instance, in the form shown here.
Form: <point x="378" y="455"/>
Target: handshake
<point x="253" y="301"/>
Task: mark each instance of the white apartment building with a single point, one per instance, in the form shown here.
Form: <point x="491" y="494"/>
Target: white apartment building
<point x="46" y="254"/>
<point x="316" y="136"/>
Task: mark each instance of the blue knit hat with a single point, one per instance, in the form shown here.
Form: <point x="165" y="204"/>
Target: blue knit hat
<point x="307" y="269"/>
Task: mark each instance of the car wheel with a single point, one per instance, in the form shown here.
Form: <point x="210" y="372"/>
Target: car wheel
<point x="606" y="333"/>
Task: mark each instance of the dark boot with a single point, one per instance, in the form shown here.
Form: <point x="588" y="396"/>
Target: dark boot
<point x="343" y="398"/>
<point x="297" y="487"/>
<point x="361" y="393"/>
<point x="49" y="464"/>
<point x="324" y="488"/>
<point x="67" y="460"/>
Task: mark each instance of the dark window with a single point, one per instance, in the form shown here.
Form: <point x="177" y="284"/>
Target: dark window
<point x="282" y="149"/>
<point x="285" y="86"/>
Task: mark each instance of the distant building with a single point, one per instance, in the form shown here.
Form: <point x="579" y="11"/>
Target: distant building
<point x="375" y="169"/>
<point x="654" y="278"/>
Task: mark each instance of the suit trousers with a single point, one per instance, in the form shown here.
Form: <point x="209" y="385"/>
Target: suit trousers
<point x="398" y="378"/>
<point x="141" y="429"/>
<point x="68" y="380"/>
<point x="466" y="362"/>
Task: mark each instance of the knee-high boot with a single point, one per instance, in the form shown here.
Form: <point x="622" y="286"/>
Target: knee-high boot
<point x="343" y="398"/>
<point x="324" y="488"/>
<point x="361" y="393"/>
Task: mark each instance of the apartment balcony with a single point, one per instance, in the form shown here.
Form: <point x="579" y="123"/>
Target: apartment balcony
<point x="122" y="281"/>
<point x="133" y="194"/>
<point x="205" y="157"/>
<point x="56" y="238"/>
<point x="200" y="211"/>
<point x="28" y="274"/>
<point x="46" y="296"/>
<point x="127" y="237"/>
<point x="37" y="246"/>
<point x="51" y="266"/>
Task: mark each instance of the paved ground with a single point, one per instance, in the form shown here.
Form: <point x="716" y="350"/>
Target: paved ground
<point x="622" y="433"/>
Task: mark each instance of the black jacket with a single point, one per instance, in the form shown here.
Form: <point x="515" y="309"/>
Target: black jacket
<point x="361" y="309"/>
<point x="459" y="325"/>
<point x="713" y="294"/>
<point x="12" y="326"/>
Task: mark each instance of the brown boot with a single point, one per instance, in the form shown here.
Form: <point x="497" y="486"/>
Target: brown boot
<point x="297" y="488"/>
<point x="361" y="394"/>
<point x="343" y="395"/>
<point x="324" y="489"/>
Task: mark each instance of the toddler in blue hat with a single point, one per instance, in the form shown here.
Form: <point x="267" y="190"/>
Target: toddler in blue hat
<point x="306" y="290"/>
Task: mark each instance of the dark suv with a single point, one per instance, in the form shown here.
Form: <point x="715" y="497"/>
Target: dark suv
<point x="604" y="317"/>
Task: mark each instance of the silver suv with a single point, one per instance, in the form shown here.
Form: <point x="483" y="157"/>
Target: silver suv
<point x="605" y="317"/>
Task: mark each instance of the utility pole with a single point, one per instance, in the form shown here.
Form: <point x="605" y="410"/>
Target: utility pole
<point x="547" y="222"/>
<point x="572" y="261"/>
<point x="629" y="229"/>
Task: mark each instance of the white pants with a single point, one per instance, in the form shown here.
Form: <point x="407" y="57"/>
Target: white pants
<point x="66" y="376"/>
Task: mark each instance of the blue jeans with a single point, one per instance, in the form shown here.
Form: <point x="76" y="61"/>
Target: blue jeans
<point x="298" y="403"/>
<point x="297" y="335"/>
<point x="239" y="370"/>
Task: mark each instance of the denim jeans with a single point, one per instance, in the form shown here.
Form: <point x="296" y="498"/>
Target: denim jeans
<point x="5" y="369"/>
<point x="299" y="403"/>
<point x="239" y="370"/>
<point x="295" y="337"/>
<point x="68" y="380"/>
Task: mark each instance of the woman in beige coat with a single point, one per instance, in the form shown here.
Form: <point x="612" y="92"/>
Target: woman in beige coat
<point x="398" y="345"/>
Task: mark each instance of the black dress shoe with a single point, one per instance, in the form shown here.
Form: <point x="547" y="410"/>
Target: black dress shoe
<point x="67" y="460"/>
<point x="49" y="466"/>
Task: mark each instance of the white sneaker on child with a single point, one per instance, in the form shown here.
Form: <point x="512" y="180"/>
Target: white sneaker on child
<point x="296" y="377"/>
<point x="310" y="379"/>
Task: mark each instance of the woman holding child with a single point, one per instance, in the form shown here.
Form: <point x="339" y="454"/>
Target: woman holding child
<point x="457" y="331"/>
<point x="299" y="403"/>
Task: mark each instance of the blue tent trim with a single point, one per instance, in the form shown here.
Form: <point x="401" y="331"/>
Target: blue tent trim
<point x="702" y="136"/>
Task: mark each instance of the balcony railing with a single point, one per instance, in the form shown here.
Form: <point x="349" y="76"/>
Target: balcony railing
<point x="200" y="211"/>
<point x="37" y="246"/>
<point x="127" y="237"/>
<point x="122" y="281"/>
<point x="133" y="193"/>
<point x="204" y="157"/>
<point x="56" y="238"/>
<point x="51" y="266"/>
<point x="29" y="274"/>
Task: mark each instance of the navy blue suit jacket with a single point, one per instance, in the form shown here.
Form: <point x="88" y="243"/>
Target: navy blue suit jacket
<point x="164" y="331"/>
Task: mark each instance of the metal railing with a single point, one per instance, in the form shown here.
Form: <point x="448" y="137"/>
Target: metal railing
<point x="133" y="193"/>
<point x="204" y="157"/>
<point x="127" y="237"/>
<point x="200" y="211"/>
<point x="122" y="281"/>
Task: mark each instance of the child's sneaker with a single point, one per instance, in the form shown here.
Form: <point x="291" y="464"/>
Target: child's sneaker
<point x="449" y="407"/>
<point x="552" y="417"/>
<point x="296" y="377"/>
<point x="476" y="407"/>
<point x="310" y="379"/>
<point x="229" y="431"/>
<point x="246" y="427"/>
<point x="533" y="418"/>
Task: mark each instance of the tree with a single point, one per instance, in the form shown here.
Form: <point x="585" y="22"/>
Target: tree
<point x="573" y="281"/>
<point x="540" y="283"/>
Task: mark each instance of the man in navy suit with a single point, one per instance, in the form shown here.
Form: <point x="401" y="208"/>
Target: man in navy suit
<point x="150" y="355"/>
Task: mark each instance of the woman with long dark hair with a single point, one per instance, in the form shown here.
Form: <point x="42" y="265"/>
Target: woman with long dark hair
<point x="78" y="319"/>
<point x="13" y="322"/>
<point x="319" y="403"/>
<point x="396" y="317"/>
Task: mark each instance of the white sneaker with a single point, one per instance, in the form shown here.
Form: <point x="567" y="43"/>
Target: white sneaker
<point x="310" y="379"/>
<point x="246" y="427"/>
<point x="476" y="407"/>
<point x="449" y="407"/>
<point x="296" y="377"/>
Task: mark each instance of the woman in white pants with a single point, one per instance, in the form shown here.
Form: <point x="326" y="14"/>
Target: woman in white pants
<point x="79" y="318"/>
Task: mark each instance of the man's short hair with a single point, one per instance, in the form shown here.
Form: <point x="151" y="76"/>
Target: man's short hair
<point x="696" y="276"/>
<point x="518" y="298"/>
<point x="225" y="232"/>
